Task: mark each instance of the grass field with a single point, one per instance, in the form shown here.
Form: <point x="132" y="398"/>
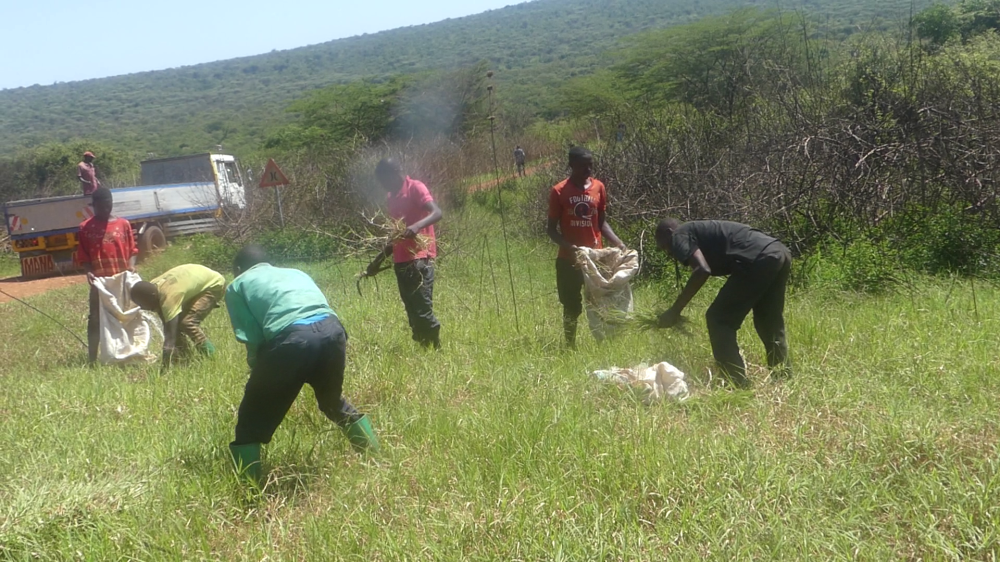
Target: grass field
<point x="501" y="447"/>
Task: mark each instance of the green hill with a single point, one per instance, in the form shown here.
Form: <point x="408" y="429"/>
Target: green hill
<point x="533" y="46"/>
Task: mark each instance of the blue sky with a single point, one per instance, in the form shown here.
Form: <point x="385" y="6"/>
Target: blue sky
<point x="47" y="41"/>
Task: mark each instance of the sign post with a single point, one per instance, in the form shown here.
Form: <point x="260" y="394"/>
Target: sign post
<point x="274" y="177"/>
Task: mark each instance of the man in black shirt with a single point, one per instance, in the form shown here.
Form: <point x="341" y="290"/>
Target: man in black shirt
<point x="758" y="267"/>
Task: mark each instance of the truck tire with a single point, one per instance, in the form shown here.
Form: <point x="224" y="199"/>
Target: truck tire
<point x="151" y="240"/>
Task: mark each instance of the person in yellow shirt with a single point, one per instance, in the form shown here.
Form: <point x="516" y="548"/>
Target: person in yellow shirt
<point x="182" y="297"/>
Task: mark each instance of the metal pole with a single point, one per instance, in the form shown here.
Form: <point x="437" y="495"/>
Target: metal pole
<point x="281" y="213"/>
<point x="503" y="216"/>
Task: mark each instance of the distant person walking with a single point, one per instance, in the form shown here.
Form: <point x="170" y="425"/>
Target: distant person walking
<point x="577" y="217"/>
<point x="106" y="248"/>
<point x="182" y="297"/>
<point x="87" y="174"/>
<point x="758" y="267"/>
<point x="519" y="160"/>
<point x="292" y="338"/>
<point x="410" y="201"/>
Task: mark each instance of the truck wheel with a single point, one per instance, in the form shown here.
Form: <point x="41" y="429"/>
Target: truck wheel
<point x="151" y="240"/>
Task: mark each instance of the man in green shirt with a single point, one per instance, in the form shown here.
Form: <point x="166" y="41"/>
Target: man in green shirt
<point x="183" y="297"/>
<point x="758" y="267"/>
<point x="293" y="338"/>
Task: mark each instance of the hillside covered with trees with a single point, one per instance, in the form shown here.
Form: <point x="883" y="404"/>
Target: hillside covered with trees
<point x="534" y="47"/>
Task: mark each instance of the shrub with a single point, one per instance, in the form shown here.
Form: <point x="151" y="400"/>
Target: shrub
<point x="293" y="245"/>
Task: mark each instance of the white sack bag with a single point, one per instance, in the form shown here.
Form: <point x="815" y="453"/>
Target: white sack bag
<point x="126" y="330"/>
<point x="662" y="380"/>
<point x="607" y="290"/>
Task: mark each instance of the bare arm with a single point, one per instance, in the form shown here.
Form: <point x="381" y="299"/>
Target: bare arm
<point x="551" y="227"/>
<point x="434" y="216"/>
<point x="169" y="340"/>
<point x="697" y="280"/>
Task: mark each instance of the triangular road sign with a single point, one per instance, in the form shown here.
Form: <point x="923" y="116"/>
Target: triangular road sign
<point x="272" y="176"/>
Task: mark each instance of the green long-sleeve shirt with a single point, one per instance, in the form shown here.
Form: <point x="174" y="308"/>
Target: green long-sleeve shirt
<point x="264" y="300"/>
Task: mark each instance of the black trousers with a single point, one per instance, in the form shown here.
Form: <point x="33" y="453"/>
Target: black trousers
<point x="93" y="326"/>
<point x="569" y="284"/>
<point x="314" y="354"/>
<point x="760" y="287"/>
<point x="416" y="289"/>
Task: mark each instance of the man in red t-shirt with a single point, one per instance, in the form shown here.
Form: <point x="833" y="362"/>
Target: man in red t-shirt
<point x="410" y="201"/>
<point x="577" y="209"/>
<point x="106" y="248"/>
<point x="87" y="174"/>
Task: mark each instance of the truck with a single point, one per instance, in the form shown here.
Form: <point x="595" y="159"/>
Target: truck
<point x="176" y="196"/>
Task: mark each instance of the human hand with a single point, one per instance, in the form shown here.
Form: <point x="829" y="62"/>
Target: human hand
<point x="411" y="232"/>
<point x="91" y="278"/>
<point x="669" y="319"/>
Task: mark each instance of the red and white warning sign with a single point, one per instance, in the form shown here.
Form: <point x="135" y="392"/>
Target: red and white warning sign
<point x="272" y="176"/>
<point x="13" y="223"/>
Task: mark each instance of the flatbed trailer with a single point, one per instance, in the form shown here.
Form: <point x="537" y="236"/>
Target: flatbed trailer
<point x="43" y="232"/>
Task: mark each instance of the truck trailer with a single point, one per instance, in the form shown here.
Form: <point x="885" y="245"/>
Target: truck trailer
<point x="177" y="196"/>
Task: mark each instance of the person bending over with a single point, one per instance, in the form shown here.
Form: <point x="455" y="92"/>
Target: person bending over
<point x="182" y="297"/>
<point x="292" y="338"/>
<point x="758" y="267"/>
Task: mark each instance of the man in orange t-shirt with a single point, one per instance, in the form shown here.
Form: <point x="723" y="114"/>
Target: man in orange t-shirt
<point x="106" y="248"/>
<point x="577" y="208"/>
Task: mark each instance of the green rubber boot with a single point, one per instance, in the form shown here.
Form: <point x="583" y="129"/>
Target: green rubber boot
<point x="246" y="460"/>
<point x="207" y="349"/>
<point x="362" y="436"/>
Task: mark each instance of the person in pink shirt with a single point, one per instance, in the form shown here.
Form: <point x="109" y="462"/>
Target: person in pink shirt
<point x="87" y="174"/>
<point x="410" y="201"/>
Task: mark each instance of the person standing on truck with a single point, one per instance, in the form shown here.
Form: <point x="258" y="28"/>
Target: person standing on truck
<point x="410" y="201"/>
<point x="577" y="217"/>
<point x="758" y="267"/>
<point x="293" y="338"/>
<point x="106" y="248"/>
<point x="519" y="160"/>
<point x="87" y="174"/>
<point x="182" y="297"/>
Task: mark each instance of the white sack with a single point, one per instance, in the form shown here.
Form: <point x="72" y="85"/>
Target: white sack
<point x="607" y="292"/>
<point x="126" y="330"/>
<point x="656" y="382"/>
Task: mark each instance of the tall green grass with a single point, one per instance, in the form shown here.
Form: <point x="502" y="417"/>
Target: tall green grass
<point x="883" y="445"/>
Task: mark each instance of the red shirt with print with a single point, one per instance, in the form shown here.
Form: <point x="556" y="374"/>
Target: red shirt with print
<point x="408" y="204"/>
<point x="578" y="211"/>
<point x="106" y="245"/>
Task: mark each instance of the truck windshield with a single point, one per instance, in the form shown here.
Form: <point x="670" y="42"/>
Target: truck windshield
<point x="231" y="173"/>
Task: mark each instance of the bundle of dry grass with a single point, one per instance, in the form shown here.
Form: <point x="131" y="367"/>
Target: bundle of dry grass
<point x="380" y="231"/>
<point x="395" y="230"/>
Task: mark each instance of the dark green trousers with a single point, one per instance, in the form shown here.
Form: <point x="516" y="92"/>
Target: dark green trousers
<point x="760" y="287"/>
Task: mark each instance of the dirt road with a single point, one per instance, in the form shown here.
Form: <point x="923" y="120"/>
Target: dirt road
<point x="493" y="183"/>
<point x="23" y="289"/>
